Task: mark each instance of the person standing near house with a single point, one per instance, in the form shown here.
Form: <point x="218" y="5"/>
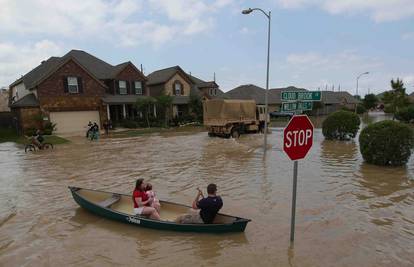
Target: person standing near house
<point x="89" y="128"/>
<point x="203" y="210"/>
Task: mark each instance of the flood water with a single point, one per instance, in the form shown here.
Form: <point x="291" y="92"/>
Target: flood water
<point x="348" y="213"/>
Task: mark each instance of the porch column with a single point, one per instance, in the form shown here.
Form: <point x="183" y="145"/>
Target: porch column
<point x="155" y="111"/>
<point x="108" y="112"/>
<point x="124" y="111"/>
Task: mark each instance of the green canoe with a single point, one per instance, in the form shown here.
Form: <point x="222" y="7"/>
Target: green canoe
<point x="119" y="207"/>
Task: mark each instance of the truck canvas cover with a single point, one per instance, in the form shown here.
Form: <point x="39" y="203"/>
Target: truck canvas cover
<point x="219" y="112"/>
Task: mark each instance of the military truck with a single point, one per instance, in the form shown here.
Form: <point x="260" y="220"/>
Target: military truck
<point x="231" y="117"/>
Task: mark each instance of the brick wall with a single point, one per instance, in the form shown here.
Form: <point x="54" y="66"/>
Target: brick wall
<point x="129" y="74"/>
<point x="27" y="118"/>
<point x="169" y="86"/>
<point x="52" y="95"/>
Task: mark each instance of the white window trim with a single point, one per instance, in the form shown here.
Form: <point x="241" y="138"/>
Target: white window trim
<point x="72" y="78"/>
<point x="140" y="87"/>
<point x="121" y="88"/>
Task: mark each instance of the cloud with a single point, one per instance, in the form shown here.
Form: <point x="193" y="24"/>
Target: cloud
<point x="19" y="59"/>
<point x="314" y="70"/>
<point x="378" y="10"/>
<point x="408" y="36"/>
<point x="120" y="22"/>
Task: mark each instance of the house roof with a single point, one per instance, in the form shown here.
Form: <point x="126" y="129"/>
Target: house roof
<point x="251" y="91"/>
<point x="247" y="91"/>
<point x="330" y="97"/>
<point x="121" y="99"/>
<point x="163" y="75"/>
<point x="29" y="100"/>
<point x="98" y="68"/>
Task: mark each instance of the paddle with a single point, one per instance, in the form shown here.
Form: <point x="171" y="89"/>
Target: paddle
<point x="201" y="192"/>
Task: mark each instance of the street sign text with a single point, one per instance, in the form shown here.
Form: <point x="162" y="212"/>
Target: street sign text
<point x="301" y="95"/>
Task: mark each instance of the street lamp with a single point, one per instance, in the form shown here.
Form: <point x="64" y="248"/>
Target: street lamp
<point x="268" y="15"/>
<point x="356" y="95"/>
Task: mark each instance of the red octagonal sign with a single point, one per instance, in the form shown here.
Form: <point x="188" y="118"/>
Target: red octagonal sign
<point x="298" y="137"/>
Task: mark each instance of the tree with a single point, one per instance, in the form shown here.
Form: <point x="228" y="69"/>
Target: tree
<point x="370" y="101"/>
<point x="164" y="106"/>
<point x="196" y="106"/>
<point x="144" y="105"/>
<point x="396" y="98"/>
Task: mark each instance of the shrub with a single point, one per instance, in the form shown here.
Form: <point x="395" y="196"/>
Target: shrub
<point x="361" y="109"/>
<point x="49" y="128"/>
<point x="30" y="131"/>
<point x="341" y="125"/>
<point x="405" y="114"/>
<point x="129" y="124"/>
<point x="386" y="143"/>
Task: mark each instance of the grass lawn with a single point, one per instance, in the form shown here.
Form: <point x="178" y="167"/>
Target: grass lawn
<point x="143" y="131"/>
<point x="9" y="135"/>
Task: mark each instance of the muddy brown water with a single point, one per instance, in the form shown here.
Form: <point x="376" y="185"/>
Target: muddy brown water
<point x="348" y="213"/>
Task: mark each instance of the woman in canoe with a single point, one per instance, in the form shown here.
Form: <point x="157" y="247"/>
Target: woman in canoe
<point x="141" y="200"/>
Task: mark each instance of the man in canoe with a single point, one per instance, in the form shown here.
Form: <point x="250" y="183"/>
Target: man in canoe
<point x="141" y="201"/>
<point x="203" y="210"/>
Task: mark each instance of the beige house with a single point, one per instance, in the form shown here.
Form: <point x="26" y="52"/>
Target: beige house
<point x="4" y="100"/>
<point x="174" y="81"/>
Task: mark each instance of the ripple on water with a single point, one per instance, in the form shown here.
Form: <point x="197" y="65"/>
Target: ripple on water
<point x="345" y="208"/>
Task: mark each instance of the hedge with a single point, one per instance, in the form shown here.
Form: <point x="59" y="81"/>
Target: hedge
<point x="386" y="143"/>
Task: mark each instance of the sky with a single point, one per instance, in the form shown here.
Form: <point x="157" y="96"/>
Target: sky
<point x="315" y="44"/>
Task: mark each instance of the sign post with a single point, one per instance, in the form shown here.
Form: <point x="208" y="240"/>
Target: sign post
<point x="297" y="141"/>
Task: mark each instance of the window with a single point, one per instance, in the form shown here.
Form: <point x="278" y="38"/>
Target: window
<point x="122" y="88"/>
<point x="138" y="88"/>
<point x="73" y="87"/>
<point x="177" y="88"/>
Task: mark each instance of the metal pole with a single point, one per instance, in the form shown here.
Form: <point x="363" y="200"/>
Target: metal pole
<point x="267" y="84"/>
<point x="295" y="181"/>
<point x="356" y="94"/>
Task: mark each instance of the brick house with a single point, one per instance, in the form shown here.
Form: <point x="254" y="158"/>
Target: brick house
<point x="174" y="81"/>
<point x="74" y="89"/>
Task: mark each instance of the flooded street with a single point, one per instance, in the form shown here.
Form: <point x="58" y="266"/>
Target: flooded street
<point x="348" y="213"/>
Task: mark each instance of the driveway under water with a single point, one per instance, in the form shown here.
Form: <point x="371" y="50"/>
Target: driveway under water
<point x="348" y="213"/>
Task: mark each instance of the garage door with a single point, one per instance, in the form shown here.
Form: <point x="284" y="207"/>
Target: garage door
<point x="73" y="122"/>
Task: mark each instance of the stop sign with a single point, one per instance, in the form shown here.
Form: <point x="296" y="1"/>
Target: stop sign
<point x="298" y="137"/>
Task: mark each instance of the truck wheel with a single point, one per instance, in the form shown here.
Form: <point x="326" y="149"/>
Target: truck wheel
<point x="211" y="134"/>
<point x="235" y="133"/>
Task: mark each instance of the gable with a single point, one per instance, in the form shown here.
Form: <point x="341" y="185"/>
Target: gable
<point x="53" y="85"/>
<point x="130" y="73"/>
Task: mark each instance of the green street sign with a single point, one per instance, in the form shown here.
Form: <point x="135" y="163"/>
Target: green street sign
<point x="296" y="106"/>
<point x="301" y="96"/>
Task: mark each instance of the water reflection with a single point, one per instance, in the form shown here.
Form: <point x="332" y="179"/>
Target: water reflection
<point x="384" y="181"/>
<point x="165" y="248"/>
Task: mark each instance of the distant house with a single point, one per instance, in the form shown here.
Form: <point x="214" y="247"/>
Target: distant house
<point x="174" y="81"/>
<point x="4" y="100"/>
<point x="333" y="101"/>
<point x="251" y="91"/>
<point x="207" y="90"/>
<point x="330" y="101"/>
<point x="74" y="89"/>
